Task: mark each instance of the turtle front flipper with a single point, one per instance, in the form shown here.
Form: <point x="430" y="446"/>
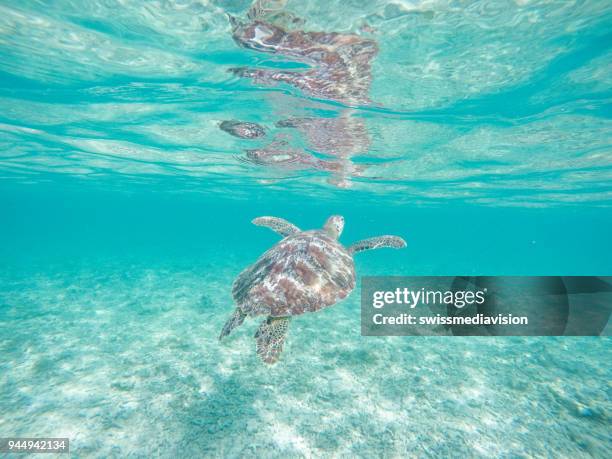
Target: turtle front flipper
<point x="279" y="225"/>
<point x="395" y="242"/>
<point x="270" y="337"/>
<point x="234" y="321"/>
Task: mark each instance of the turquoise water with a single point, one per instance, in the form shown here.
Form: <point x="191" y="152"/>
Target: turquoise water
<point x="126" y="211"/>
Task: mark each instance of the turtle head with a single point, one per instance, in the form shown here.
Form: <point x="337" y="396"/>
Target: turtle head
<point x="334" y="226"/>
<point x="258" y="35"/>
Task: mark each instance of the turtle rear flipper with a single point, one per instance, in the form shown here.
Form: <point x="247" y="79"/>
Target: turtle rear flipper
<point x="234" y="321"/>
<point x="270" y="337"/>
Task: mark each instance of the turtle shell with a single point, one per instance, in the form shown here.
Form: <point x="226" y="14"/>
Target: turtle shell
<point x="302" y="273"/>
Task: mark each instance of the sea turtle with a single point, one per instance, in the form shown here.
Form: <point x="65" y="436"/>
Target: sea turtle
<point x="304" y="272"/>
<point x="340" y="65"/>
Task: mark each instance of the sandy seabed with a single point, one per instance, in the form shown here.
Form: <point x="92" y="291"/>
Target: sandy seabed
<point x="123" y="359"/>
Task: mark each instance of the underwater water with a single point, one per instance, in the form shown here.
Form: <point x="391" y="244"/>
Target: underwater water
<point x="477" y="131"/>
